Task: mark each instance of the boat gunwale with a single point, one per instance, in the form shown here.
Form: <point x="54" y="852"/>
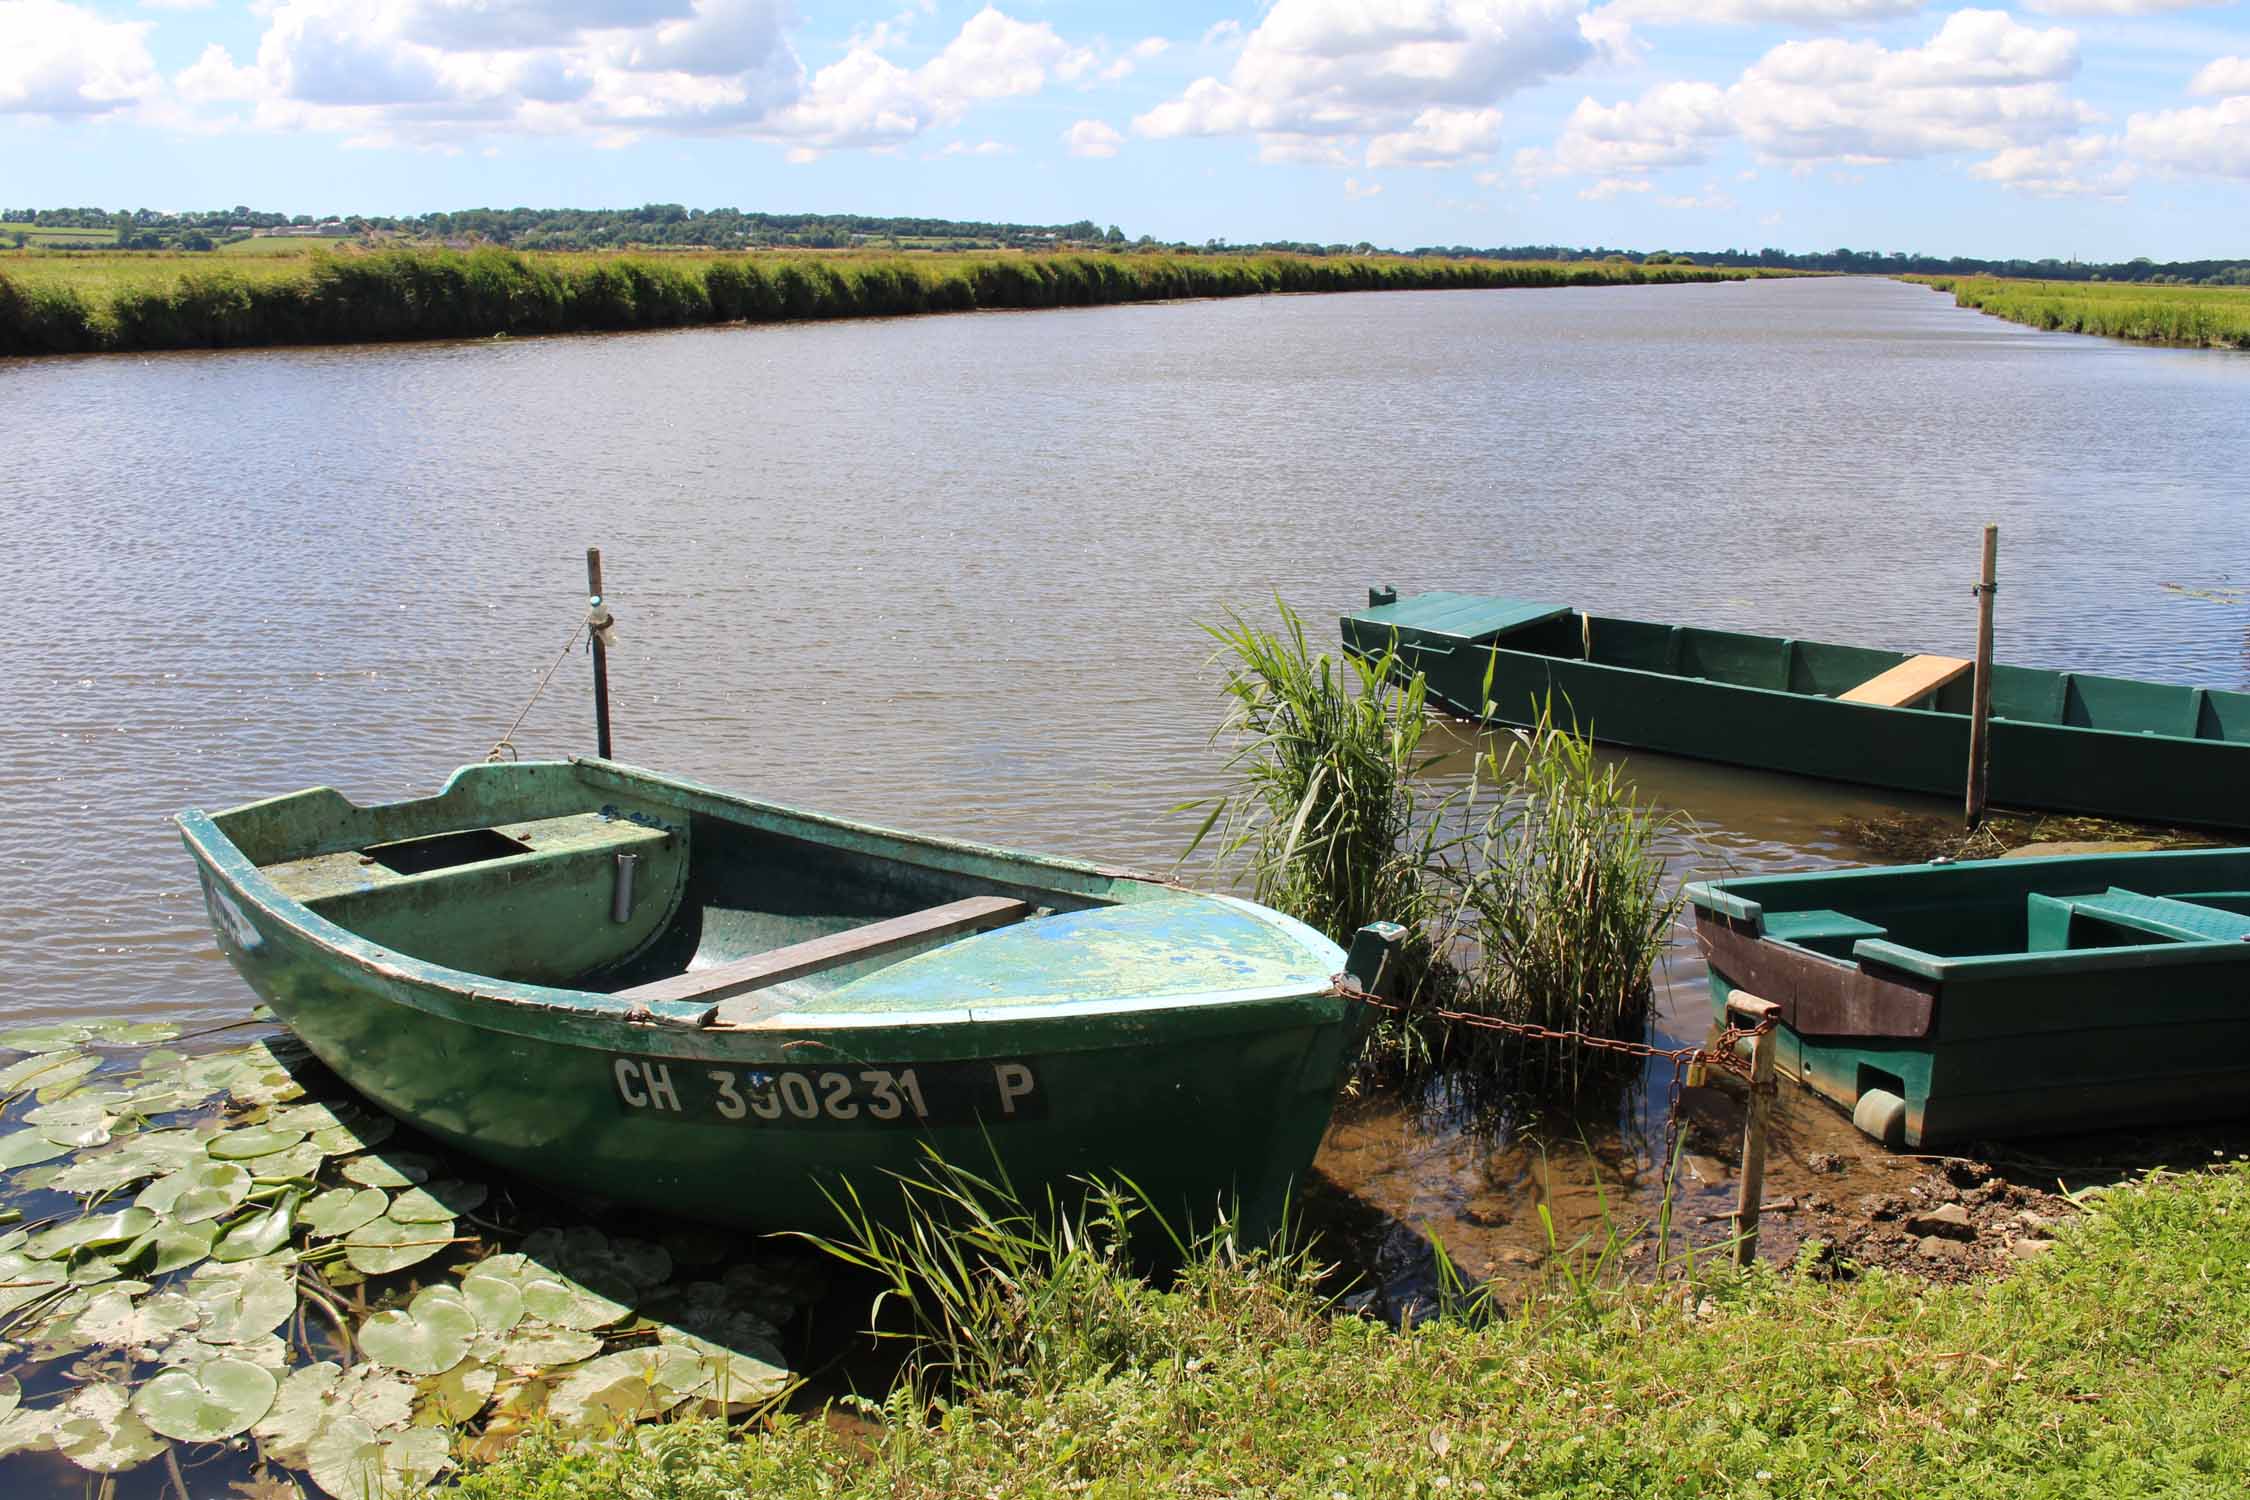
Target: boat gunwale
<point x="1495" y="649"/>
<point x="487" y="1002"/>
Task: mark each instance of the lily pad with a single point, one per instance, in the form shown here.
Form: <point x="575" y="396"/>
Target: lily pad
<point x="620" y="1388"/>
<point x="90" y="1232"/>
<point x="107" y="1171"/>
<point x="585" y="1254"/>
<point x="114" y="1320"/>
<point x="27" y="1148"/>
<point x="260" y="1234"/>
<point x="47" y="1038"/>
<point x="240" y="1305"/>
<point x="496" y="1303"/>
<point x="301" y="1161"/>
<point x="264" y="1140"/>
<point x="533" y="1348"/>
<point x="170" y="1247"/>
<point x="97" y="1429"/>
<point x="392" y="1169"/>
<point x="198" y="1191"/>
<point x="208" y="1403"/>
<point x="454" y="1398"/>
<point x="427" y="1337"/>
<point x="312" y="1396"/>
<point x="385" y="1245"/>
<point x="46" y="1070"/>
<point x="355" y="1135"/>
<point x="342" y="1210"/>
<point x="23" y="1429"/>
<point x="438" y="1202"/>
<point x="352" y="1461"/>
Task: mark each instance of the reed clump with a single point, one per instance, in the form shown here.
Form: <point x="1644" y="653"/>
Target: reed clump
<point x="56" y="303"/>
<point x="1565" y="902"/>
<point x="2210" y="317"/>
<point x="1536" y="888"/>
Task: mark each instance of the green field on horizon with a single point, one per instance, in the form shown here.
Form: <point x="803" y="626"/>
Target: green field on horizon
<point x="2213" y="317"/>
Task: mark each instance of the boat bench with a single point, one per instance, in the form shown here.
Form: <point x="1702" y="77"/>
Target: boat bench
<point x="2049" y="918"/>
<point x="1909" y="682"/>
<point x="1822" y="930"/>
<point x="779" y="965"/>
<point x="354" y="872"/>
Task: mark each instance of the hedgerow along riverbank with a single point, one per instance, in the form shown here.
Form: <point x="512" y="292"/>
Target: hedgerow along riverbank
<point x="2205" y="317"/>
<point x="78" y="304"/>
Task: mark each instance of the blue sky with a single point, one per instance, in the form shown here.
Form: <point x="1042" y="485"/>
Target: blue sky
<point x="2101" y="129"/>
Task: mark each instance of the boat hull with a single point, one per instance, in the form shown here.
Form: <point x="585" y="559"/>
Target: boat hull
<point x="1990" y="1045"/>
<point x="2176" y="778"/>
<point x="1205" y="1103"/>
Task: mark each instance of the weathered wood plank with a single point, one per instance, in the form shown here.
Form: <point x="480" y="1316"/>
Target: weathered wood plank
<point x="1916" y="677"/>
<point x="1816" y="996"/>
<point x="778" y="965"/>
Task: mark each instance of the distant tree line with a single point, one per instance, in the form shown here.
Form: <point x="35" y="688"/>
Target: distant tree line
<point x="676" y="226"/>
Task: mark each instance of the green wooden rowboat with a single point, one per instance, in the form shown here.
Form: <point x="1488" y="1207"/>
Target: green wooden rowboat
<point x="639" y="989"/>
<point x="2000" y="997"/>
<point x="2061" y="741"/>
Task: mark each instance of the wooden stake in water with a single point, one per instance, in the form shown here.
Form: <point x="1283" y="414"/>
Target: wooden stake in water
<point x="1980" y="710"/>
<point x="1747" y="1008"/>
<point x="595" y="603"/>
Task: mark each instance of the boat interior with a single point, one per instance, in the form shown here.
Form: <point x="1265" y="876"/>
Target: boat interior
<point x="1918" y="918"/>
<point x="589" y="876"/>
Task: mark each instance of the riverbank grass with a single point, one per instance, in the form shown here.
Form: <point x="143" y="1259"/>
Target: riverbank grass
<point x="2210" y="317"/>
<point x="2108" y="1365"/>
<point x="89" y="303"/>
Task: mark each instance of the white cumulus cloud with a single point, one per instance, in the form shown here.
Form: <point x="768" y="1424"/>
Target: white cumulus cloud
<point x="1438" y="138"/>
<point x="2079" y="167"/>
<point x="2116" y="7"/>
<point x="2222" y="77"/>
<point x="58" y="59"/>
<point x="1760" y="12"/>
<point x="2208" y="140"/>
<point x="1093" y="138"/>
<point x="1318" y="77"/>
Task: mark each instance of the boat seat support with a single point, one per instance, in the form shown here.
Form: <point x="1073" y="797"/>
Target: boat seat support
<point x="779" y="965"/>
<point x="1909" y="682"/>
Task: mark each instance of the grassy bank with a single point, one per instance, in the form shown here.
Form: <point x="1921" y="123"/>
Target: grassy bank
<point x="2213" y="317"/>
<point x="2107" y="1366"/>
<point x="55" y="304"/>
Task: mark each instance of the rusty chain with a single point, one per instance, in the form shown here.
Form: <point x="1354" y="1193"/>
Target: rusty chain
<point x="1721" y="1053"/>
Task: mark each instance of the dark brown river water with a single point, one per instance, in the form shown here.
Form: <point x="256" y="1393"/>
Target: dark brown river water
<point x="949" y="573"/>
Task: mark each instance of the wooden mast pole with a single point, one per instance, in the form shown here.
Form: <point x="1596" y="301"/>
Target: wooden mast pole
<point x="1980" y="712"/>
<point x="595" y="603"/>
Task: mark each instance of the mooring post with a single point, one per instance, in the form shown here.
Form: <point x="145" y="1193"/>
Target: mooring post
<point x="1980" y="708"/>
<point x="597" y="614"/>
<point x="1752" y="1199"/>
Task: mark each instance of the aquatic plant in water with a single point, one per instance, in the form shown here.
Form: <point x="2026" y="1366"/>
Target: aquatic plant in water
<point x="228" y="1256"/>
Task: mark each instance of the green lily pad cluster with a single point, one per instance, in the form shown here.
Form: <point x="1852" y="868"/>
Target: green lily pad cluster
<point x="226" y="1249"/>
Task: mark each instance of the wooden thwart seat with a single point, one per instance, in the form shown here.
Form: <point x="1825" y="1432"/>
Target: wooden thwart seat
<point x="779" y="965"/>
<point x="1916" y="677"/>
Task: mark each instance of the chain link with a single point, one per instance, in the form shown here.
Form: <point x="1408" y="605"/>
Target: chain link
<point x="1721" y="1053"/>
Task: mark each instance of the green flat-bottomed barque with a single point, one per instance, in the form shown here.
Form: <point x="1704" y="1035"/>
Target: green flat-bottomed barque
<point x="2060" y="741"/>
<point x="1994" y="998"/>
<point x="634" y="988"/>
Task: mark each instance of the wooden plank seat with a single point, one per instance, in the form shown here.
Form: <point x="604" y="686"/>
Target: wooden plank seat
<point x="1915" y="678"/>
<point x="779" y="965"/>
<point x="2185" y="921"/>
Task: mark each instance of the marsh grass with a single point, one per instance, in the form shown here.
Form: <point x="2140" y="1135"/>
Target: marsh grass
<point x="1565" y="905"/>
<point x="1537" y="890"/>
<point x="1000" y="1293"/>
<point x="81" y="303"/>
<point x="2204" y="316"/>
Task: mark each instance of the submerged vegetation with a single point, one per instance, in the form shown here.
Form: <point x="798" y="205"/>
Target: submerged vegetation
<point x="1536" y="890"/>
<point x="2106" y="1366"/>
<point x="2213" y="317"/>
<point x="65" y="304"/>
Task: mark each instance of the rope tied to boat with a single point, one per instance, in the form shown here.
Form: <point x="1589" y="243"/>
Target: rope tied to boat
<point x="504" y="748"/>
<point x="1722" y="1052"/>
